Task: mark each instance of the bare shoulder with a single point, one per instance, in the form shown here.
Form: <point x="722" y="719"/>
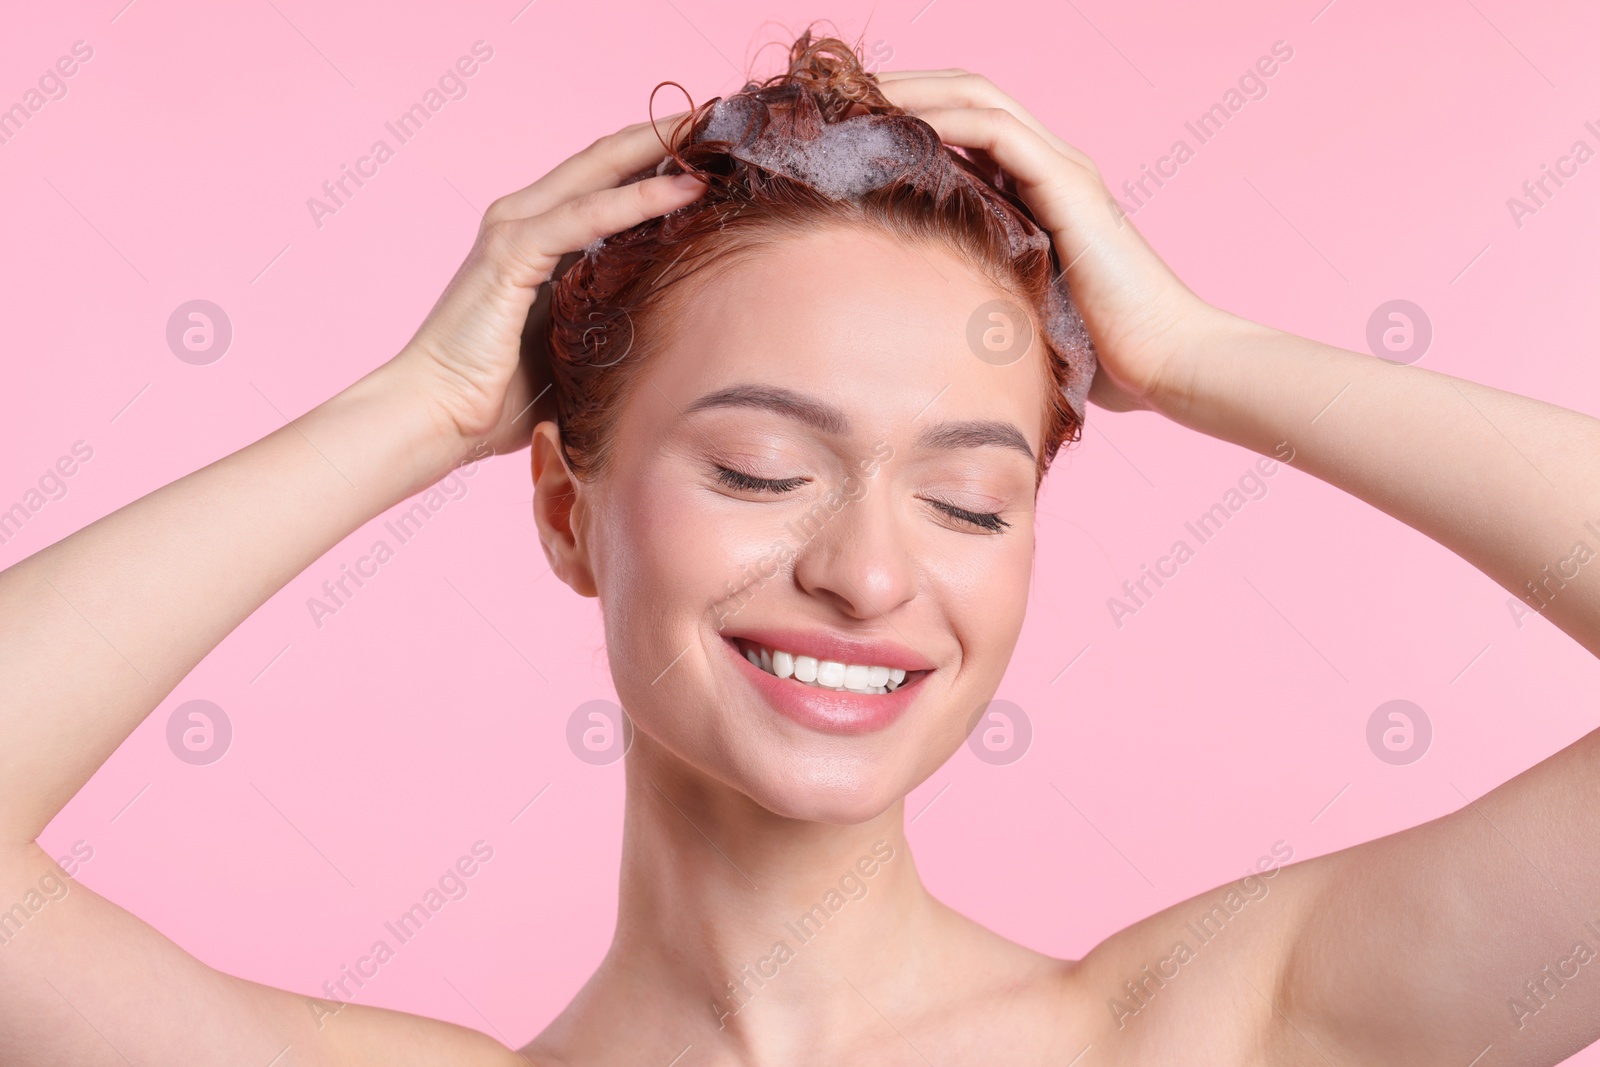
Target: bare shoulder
<point x="1192" y="984"/>
<point x="1205" y="980"/>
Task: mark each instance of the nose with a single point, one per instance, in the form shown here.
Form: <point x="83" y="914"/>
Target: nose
<point x="852" y="552"/>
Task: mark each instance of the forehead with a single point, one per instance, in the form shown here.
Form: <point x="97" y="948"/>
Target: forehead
<point x="868" y="322"/>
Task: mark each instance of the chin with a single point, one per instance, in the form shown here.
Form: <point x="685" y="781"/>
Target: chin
<point x="825" y="788"/>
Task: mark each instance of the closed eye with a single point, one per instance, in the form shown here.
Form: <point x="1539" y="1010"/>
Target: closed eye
<point x="737" y="479"/>
<point x="984" y="520"/>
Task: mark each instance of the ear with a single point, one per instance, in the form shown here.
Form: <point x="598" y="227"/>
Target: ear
<point x="558" y="503"/>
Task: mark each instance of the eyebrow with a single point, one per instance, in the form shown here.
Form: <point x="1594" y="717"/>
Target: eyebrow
<point x="968" y="433"/>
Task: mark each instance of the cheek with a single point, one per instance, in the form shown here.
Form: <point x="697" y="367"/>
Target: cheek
<point x="673" y="563"/>
<point x="1015" y="576"/>
<point x="986" y="599"/>
<point x="653" y="564"/>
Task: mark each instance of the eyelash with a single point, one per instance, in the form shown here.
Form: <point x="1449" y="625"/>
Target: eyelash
<point x="989" y="521"/>
<point x="736" y="479"/>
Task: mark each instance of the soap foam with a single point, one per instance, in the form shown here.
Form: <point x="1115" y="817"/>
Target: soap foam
<point x="852" y="157"/>
<point x="846" y="161"/>
<point x="1068" y="335"/>
<point x="729" y="120"/>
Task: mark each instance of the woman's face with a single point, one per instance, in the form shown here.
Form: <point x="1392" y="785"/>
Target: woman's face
<point x="819" y="465"/>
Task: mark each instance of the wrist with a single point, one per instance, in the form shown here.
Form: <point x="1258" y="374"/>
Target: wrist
<point x="1187" y="384"/>
<point x="408" y="441"/>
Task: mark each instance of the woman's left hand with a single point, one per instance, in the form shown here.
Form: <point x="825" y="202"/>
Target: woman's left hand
<point x="1144" y="321"/>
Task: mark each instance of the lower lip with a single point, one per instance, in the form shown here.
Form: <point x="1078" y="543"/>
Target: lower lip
<point x="833" y="711"/>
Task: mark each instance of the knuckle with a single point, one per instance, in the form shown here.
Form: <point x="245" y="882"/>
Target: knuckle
<point x="499" y="210"/>
<point x="495" y="240"/>
<point x="644" y="195"/>
<point x="978" y="85"/>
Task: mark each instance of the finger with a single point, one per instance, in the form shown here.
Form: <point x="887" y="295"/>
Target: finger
<point x="1049" y="182"/>
<point x="527" y="249"/>
<point x="975" y="91"/>
<point x="1014" y="145"/>
<point x="900" y="75"/>
<point x="604" y="164"/>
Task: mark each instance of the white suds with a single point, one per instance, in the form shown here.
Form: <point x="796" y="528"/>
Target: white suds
<point x="846" y="160"/>
<point x="854" y="156"/>
<point x="730" y="118"/>
<point x="1064" y="326"/>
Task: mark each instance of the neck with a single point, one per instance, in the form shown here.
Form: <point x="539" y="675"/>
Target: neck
<point x="752" y="926"/>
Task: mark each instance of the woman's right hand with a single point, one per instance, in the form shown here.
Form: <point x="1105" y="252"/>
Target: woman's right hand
<point x="466" y="354"/>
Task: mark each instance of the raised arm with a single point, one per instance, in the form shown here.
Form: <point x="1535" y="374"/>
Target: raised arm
<point x="1510" y="484"/>
<point x="97" y="629"/>
<point x="1477" y="934"/>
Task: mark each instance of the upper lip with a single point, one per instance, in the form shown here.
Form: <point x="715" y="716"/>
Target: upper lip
<point x="825" y="644"/>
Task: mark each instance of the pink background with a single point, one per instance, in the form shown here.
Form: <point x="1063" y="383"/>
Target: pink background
<point x="373" y="752"/>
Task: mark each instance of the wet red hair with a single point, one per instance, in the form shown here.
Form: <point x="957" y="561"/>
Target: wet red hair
<point x="608" y="310"/>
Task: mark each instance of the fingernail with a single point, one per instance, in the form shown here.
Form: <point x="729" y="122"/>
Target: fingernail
<point x="687" y="181"/>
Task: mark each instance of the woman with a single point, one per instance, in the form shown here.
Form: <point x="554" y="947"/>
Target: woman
<point x="803" y="496"/>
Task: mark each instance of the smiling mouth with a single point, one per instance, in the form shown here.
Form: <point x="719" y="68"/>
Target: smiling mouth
<point x="864" y="678"/>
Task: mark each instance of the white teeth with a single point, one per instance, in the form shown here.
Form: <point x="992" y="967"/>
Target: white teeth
<point x="827" y="673"/>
